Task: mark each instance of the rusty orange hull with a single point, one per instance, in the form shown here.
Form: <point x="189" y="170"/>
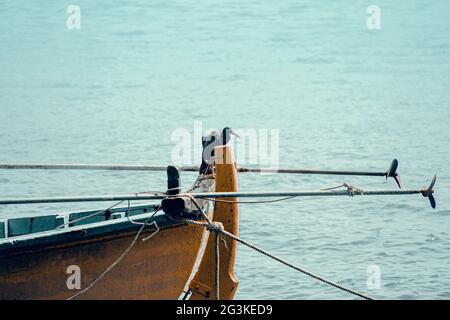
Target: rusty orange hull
<point x="227" y="213"/>
<point x="157" y="269"/>
<point x="59" y="264"/>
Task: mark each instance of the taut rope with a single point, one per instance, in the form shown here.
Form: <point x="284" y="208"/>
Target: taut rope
<point x="120" y="258"/>
<point x="218" y="230"/>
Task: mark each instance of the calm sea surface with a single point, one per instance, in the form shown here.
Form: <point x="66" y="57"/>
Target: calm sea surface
<point x="340" y="95"/>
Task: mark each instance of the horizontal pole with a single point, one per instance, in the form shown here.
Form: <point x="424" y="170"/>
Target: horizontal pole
<point x="118" y="167"/>
<point x="314" y="171"/>
<point x="211" y="195"/>
<point x="122" y="167"/>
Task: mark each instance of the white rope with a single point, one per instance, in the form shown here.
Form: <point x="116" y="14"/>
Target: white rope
<point x="217" y="229"/>
<point x="120" y="258"/>
<point x="88" y="216"/>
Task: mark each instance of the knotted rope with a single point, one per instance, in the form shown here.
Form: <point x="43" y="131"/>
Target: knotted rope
<point x="351" y="189"/>
<point x="218" y="231"/>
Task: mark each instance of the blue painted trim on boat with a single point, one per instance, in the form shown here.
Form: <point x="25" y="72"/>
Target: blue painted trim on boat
<point x="27" y="225"/>
<point x="109" y="214"/>
<point x="2" y="229"/>
<point x="74" y="235"/>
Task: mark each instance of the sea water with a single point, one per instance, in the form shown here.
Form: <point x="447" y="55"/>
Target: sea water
<point x="114" y="85"/>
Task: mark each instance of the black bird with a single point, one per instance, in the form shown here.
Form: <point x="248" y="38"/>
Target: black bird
<point x="226" y="135"/>
<point x="212" y="140"/>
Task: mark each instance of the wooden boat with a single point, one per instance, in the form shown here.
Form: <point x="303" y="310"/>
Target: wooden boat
<point x="38" y="260"/>
<point x="138" y="252"/>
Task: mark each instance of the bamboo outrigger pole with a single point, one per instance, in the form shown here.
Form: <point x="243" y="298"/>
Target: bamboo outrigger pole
<point x="391" y="172"/>
<point x="425" y="191"/>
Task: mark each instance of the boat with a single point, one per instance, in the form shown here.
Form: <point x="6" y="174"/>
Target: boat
<point x="181" y="247"/>
<point x="42" y="256"/>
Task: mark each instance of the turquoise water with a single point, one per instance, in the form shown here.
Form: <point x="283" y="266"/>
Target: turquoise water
<point x="340" y="95"/>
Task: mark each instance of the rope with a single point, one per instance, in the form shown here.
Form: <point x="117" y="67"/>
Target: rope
<point x="254" y="202"/>
<point x="219" y="230"/>
<point x="120" y="258"/>
<point x="129" y="217"/>
<point x="351" y="189"/>
<point x="217" y="267"/>
<point x="186" y="294"/>
<point x="128" y="249"/>
<point x="204" y="215"/>
<point x="156" y="193"/>
<point x="89" y="216"/>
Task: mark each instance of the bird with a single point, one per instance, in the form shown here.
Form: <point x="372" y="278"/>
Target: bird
<point x="226" y="135"/>
<point x="209" y="142"/>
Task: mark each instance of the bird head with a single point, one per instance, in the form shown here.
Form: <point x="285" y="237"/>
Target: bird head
<point x="226" y="135"/>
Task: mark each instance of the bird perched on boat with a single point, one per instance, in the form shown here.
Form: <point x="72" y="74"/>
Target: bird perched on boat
<point x="182" y="207"/>
<point x="209" y="142"/>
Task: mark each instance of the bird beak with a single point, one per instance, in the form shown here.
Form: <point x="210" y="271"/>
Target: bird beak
<point x="230" y="131"/>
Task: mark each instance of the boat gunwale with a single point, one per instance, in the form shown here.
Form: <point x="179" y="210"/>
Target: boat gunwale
<point x="80" y="234"/>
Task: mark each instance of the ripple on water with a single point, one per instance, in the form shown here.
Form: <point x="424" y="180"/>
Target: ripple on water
<point x="441" y="213"/>
<point x="326" y="119"/>
<point x="431" y="238"/>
